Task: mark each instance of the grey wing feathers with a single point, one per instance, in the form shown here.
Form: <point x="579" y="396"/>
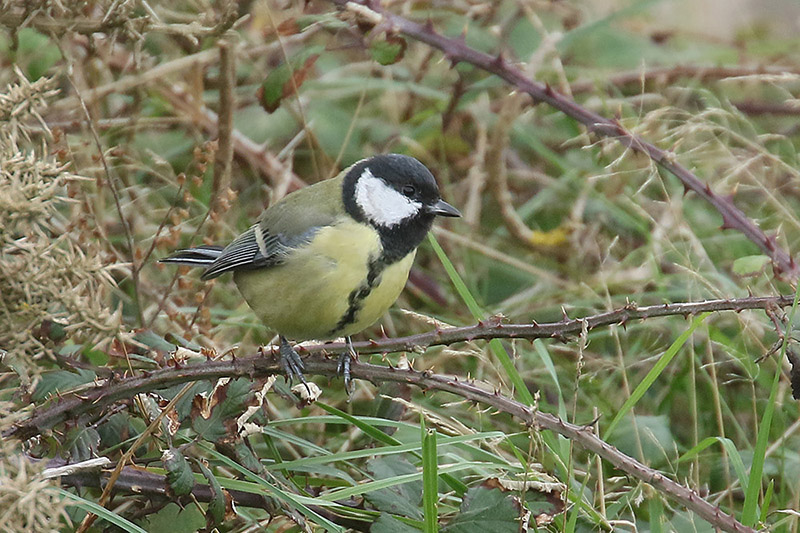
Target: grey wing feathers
<point x="197" y="256"/>
<point x="255" y="248"/>
<point x="245" y="253"/>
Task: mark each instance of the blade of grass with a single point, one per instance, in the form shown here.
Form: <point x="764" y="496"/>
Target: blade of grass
<point x="102" y="512"/>
<point x="308" y="447"/>
<point x="371" y="486"/>
<point x="730" y="448"/>
<point x="376" y="452"/>
<point x="293" y="499"/>
<point x="656" y="508"/>
<point x="574" y="513"/>
<point x="750" y="509"/>
<point x="366" y="427"/>
<point x="430" y="479"/>
<point x="496" y="346"/>
<point x="767" y="500"/>
<point x="656" y="371"/>
<point x="381" y="436"/>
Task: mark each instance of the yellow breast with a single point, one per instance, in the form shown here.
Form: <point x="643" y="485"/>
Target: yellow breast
<point x="333" y="287"/>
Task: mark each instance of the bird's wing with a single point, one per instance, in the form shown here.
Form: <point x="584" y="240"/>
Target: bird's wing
<point x="286" y="225"/>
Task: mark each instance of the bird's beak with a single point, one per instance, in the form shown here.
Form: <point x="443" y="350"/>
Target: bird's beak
<point x="444" y="209"/>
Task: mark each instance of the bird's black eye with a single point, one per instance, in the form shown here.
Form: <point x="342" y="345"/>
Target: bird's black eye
<point x="409" y="190"/>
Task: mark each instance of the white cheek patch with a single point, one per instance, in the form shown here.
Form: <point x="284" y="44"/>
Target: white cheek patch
<point x="381" y="203"/>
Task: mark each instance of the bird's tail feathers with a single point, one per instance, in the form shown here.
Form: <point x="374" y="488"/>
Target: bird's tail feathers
<point x="197" y="256"/>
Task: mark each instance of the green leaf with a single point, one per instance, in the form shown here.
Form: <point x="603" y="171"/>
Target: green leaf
<point x="751" y="265"/>
<point x="388" y="51"/>
<point x="179" y="474"/>
<point x="380" y="484"/>
<point x="486" y="510"/>
<point x="214" y="417"/>
<point x="287" y="78"/>
<point x="215" y="514"/>
<point x="295" y="500"/>
<point x="152" y="340"/>
<point x="118" y="428"/>
<point x="82" y="443"/>
<point x="359" y="422"/>
<point x="767" y="500"/>
<point x="402" y="499"/>
<point x="386" y="523"/>
<point x="654" y="436"/>
<point x="379" y="435"/>
<point x="37" y="51"/>
<point x="173" y="519"/>
<point x="730" y="448"/>
<point x="656" y="508"/>
<point x="61" y="381"/>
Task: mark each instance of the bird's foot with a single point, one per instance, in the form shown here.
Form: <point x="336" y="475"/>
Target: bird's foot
<point x="345" y="358"/>
<point x="292" y="364"/>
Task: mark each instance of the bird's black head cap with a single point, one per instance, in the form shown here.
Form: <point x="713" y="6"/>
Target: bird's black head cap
<point x="398" y="196"/>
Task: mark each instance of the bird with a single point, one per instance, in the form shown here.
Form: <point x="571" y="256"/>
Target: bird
<point x="328" y="260"/>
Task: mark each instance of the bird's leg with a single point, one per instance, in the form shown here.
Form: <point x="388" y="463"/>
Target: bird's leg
<point x="291" y="362"/>
<point x="345" y="358"/>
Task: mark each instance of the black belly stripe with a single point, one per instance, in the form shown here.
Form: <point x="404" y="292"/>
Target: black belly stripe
<point x="357" y="296"/>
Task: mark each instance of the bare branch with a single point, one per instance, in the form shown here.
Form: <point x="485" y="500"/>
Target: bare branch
<point x="110" y="391"/>
<point x="140" y="482"/>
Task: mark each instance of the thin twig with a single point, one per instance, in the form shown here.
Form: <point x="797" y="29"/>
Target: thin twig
<point x="498" y="170"/>
<point x="668" y="75"/>
<point x="456" y="51"/>
<point x="227" y="104"/>
<point x="126" y="227"/>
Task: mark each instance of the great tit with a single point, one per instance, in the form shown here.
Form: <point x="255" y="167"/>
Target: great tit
<point x="328" y="260"/>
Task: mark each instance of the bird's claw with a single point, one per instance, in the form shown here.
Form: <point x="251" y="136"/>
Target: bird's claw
<point x="343" y="368"/>
<point x="345" y="359"/>
<point x="291" y="363"/>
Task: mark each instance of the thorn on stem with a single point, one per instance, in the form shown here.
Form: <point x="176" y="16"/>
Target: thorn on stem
<point x="499" y="61"/>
